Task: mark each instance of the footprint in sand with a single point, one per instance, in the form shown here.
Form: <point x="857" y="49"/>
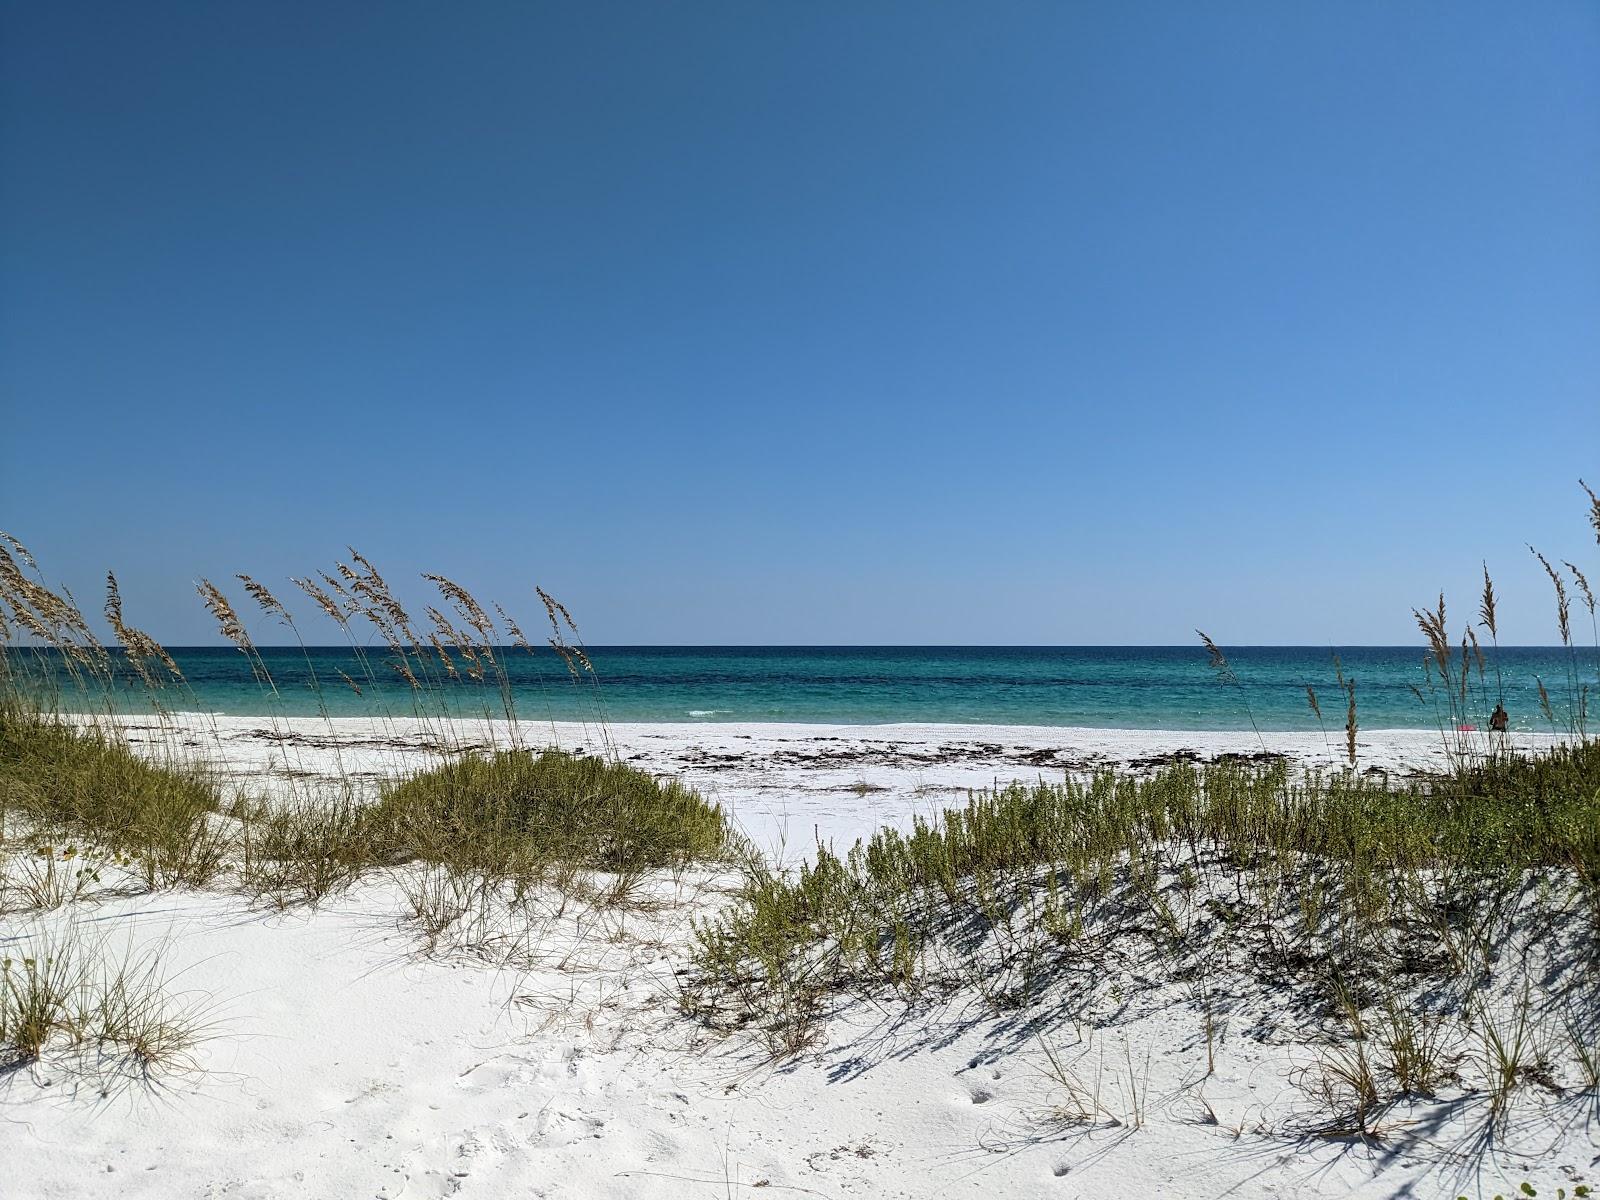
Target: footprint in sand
<point x="559" y="1126"/>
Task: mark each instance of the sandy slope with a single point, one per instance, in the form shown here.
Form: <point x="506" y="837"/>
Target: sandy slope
<point x="346" y="1063"/>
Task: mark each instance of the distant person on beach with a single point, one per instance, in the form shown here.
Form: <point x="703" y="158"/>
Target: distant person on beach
<point x="1499" y="719"/>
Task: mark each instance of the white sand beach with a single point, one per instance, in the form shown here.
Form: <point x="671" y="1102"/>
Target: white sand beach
<point x="344" y="1060"/>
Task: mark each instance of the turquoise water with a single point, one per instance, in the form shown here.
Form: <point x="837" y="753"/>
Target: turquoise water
<point x="1108" y="687"/>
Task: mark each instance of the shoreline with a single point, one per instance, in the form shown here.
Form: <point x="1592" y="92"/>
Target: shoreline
<point x="1334" y="733"/>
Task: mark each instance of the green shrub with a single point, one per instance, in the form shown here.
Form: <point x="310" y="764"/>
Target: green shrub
<point x="517" y="814"/>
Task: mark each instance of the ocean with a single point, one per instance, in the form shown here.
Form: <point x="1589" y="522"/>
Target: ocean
<point x="1133" y="687"/>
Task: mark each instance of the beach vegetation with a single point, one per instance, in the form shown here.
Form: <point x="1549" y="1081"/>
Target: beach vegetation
<point x="546" y="815"/>
<point x="489" y="808"/>
<point x="79" y="786"/>
<point x="113" y="1016"/>
<point x="302" y="849"/>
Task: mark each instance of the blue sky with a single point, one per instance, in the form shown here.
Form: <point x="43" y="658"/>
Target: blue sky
<point x="899" y="322"/>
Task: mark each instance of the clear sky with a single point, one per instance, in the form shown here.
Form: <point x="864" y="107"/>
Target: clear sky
<point x="810" y="322"/>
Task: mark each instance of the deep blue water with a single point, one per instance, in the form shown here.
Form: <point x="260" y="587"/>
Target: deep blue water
<point x="1128" y="687"/>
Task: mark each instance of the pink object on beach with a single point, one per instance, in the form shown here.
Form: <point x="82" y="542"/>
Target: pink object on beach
<point x="1467" y="728"/>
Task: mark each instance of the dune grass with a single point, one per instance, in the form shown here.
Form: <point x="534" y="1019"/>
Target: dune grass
<point x="63" y="993"/>
<point x="303" y="849"/>
<point x="1383" y="912"/>
<point x="517" y="814"/>
<point x="510" y="815"/>
<point x="71" y="797"/>
<point x="581" y="824"/>
<point x="61" y="780"/>
<point x="1339" y="845"/>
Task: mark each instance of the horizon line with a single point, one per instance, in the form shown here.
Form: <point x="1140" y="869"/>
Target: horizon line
<point x="1198" y="646"/>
